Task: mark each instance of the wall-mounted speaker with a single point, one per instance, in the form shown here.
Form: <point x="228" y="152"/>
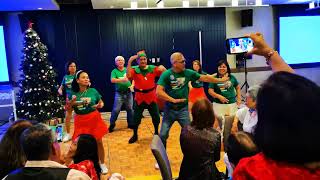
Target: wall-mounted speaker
<point x="246" y="17"/>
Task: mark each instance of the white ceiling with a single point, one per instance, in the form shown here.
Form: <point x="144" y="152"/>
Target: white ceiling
<point x="119" y="4"/>
<point x="27" y="5"/>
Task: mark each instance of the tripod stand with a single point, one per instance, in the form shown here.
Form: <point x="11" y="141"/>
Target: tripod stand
<point x="245" y="84"/>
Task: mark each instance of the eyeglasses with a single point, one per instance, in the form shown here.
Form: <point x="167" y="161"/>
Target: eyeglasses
<point x="182" y="61"/>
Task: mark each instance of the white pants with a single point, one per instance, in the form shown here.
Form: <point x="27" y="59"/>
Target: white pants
<point x="224" y="109"/>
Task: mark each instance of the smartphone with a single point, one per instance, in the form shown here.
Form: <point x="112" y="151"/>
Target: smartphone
<point x="239" y="45"/>
<point x="59" y="133"/>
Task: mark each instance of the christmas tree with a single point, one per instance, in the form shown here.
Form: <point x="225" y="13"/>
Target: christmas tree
<point x="37" y="99"/>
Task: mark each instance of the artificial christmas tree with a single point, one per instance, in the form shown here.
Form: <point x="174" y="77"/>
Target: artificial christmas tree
<point x="37" y="99"/>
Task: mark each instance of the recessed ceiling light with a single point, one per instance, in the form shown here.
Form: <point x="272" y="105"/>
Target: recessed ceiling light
<point x="234" y="3"/>
<point x="134" y="4"/>
<point x="258" y="2"/>
<point x="210" y="3"/>
<point x="185" y="3"/>
<point x="311" y="5"/>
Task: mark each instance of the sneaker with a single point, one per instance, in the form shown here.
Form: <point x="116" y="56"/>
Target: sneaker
<point x="104" y="169"/>
<point x="156" y="166"/>
<point x="66" y="137"/>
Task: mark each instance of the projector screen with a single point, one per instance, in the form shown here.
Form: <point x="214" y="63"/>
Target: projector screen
<point x="299" y="39"/>
<point x="4" y="76"/>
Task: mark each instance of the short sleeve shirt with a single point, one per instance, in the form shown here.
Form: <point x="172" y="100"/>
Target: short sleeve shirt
<point x="226" y="89"/>
<point x="176" y="84"/>
<point x="91" y="97"/>
<point x="197" y="83"/>
<point x="117" y="74"/>
<point x="67" y="82"/>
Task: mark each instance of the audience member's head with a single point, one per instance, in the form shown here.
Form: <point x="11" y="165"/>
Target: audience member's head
<point x="38" y="142"/>
<point x="240" y="145"/>
<point x="85" y="148"/>
<point x="251" y="96"/>
<point x="288" y="126"/>
<point x="11" y="153"/>
<point x="202" y="114"/>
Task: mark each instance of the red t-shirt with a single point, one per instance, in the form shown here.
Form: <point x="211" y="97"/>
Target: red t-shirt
<point x="87" y="167"/>
<point x="260" y="167"/>
<point x="145" y="81"/>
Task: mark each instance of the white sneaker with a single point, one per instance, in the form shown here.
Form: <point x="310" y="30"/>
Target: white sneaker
<point x="66" y="137"/>
<point x="156" y="166"/>
<point x="104" y="169"/>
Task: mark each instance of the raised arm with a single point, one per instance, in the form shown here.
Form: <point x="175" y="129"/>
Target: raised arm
<point x="129" y="67"/>
<point x="261" y="48"/>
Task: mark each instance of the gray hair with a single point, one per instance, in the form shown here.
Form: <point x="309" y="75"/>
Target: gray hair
<point x="174" y="56"/>
<point x="118" y="58"/>
<point x="253" y="92"/>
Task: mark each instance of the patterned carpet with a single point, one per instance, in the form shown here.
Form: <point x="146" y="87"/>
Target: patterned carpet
<point x="135" y="161"/>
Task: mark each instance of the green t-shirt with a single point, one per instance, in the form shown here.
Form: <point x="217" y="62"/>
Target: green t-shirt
<point x="91" y="96"/>
<point x="197" y="83"/>
<point x="226" y="89"/>
<point x="117" y="74"/>
<point x="176" y="84"/>
<point x="66" y="83"/>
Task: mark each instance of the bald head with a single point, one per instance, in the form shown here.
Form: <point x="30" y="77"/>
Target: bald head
<point x="177" y="56"/>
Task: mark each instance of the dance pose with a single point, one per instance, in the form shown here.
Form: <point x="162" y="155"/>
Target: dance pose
<point x="145" y="95"/>
<point x="87" y="120"/>
<point x="65" y="90"/>
<point x="123" y="94"/>
<point x="173" y="88"/>
<point x="227" y="95"/>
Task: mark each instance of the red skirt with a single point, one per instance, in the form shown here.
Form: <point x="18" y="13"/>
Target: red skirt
<point x="196" y="93"/>
<point x="91" y="123"/>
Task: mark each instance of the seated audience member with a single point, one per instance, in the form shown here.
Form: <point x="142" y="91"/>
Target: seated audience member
<point x="43" y="154"/>
<point x="287" y="130"/>
<point x="83" y="153"/>
<point x="200" y="144"/>
<point x="247" y="115"/>
<point x="11" y="153"/>
<point x="240" y="145"/>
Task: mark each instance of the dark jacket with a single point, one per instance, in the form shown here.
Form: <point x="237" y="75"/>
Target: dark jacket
<point x="201" y="149"/>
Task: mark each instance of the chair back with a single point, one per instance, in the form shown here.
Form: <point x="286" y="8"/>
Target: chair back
<point x="161" y="156"/>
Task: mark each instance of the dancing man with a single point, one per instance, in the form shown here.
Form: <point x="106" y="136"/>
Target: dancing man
<point x="123" y="94"/>
<point x="145" y="95"/>
<point x="173" y="88"/>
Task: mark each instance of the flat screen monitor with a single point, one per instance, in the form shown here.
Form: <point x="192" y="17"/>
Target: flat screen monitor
<point x="4" y="75"/>
<point x="299" y="40"/>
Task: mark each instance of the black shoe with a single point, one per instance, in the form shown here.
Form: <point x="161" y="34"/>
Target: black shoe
<point x="133" y="139"/>
<point x="111" y="128"/>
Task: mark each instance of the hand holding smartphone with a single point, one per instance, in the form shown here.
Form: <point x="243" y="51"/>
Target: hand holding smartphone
<point x="239" y="45"/>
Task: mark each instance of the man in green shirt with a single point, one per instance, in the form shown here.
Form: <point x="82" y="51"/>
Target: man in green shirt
<point x="173" y="88"/>
<point x="123" y="94"/>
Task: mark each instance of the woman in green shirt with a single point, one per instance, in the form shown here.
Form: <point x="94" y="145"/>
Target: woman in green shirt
<point x="64" y="90"/>
<point x="227" y="95"/>
<point x="87" y="120"/>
